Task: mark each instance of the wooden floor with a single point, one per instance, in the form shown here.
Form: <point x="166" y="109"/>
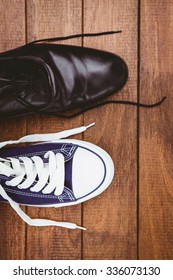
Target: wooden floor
<point x="133" y="218"/>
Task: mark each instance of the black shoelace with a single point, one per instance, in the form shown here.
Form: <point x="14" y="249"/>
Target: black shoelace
<point x="73" y="37"/>
<point x="92" y="106"/>
<point x="137" y="104"/>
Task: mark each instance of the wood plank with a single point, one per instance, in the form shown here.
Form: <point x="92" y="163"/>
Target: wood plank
<point x="156" y="145"/>
<point x="12" y="33"/>
<point x="111" y="218"/>
<point x="51" y="19"/>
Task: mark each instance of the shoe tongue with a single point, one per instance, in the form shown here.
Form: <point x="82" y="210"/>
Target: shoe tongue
<point x="39" y="198"/>
<point x="68" y="150"/>
<point x="34" y="88"/>
<point x="24" y="86"/>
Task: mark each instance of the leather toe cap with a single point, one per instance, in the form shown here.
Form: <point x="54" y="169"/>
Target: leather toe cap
<point x="107" y="73"/>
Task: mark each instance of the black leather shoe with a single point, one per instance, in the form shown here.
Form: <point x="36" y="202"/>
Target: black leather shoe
<point x="51" y="78"/>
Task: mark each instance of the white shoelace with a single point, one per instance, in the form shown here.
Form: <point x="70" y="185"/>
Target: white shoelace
<point x="25" y="170"/>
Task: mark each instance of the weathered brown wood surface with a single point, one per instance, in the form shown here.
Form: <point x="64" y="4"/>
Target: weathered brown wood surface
<point x="156" y="137"/>
<point x="112" y="235"/>
<point x="133" y="218"/>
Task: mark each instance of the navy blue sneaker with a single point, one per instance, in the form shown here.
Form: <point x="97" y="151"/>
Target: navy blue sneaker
<point x="52" y="174"/>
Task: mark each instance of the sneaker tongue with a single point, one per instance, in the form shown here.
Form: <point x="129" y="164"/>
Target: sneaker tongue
<point x="68" y="150"/>
<point x="27" y="198"/>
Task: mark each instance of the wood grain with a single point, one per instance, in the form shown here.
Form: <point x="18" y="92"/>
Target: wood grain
<point x="12" y="34"/>
<point x="111" y="218"/>
<point x="47" y="19"/>
<point x="156" y="145"/>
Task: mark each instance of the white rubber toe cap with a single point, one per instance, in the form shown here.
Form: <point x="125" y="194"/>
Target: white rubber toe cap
<point x="92" y="172"/>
